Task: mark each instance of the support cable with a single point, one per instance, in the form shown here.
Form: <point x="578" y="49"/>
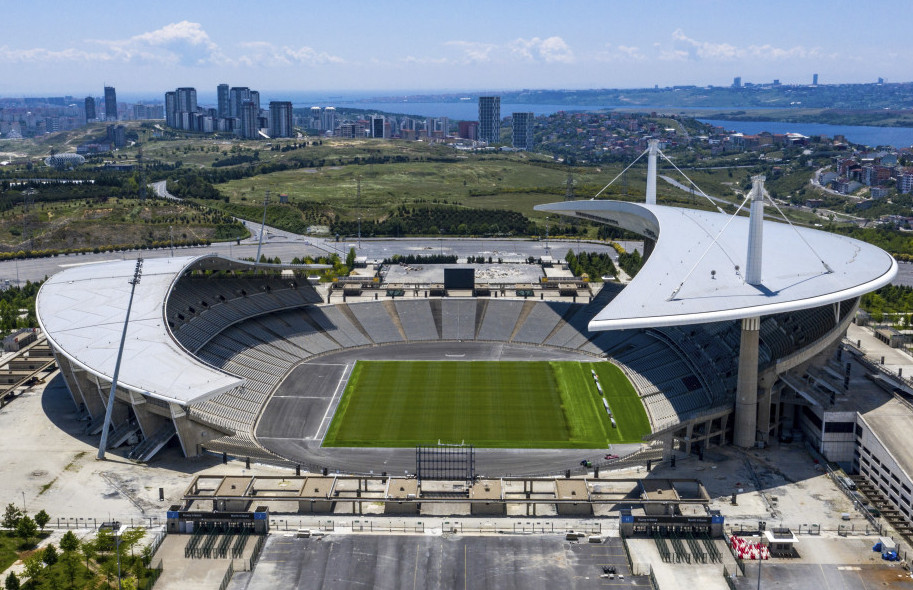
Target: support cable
<point x="694" y="184"/>
<point x="801" y="237"/>
<point x="593" y="198"/>
<point x="712" y="243"/>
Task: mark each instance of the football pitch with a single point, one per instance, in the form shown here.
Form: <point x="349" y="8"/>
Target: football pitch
<point x="489" y="404"/>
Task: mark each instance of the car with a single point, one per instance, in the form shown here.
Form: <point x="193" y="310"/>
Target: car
<point x="610" y="456"/>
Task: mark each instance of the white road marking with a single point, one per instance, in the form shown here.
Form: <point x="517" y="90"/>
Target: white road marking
<point x="324" y="425"/>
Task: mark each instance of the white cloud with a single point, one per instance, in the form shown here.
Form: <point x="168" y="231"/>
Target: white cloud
<point x="473" y="52"/>
<point x="686" y="48"/>
<point x="619" y="53"/>
<point x="183" y="43"/>
<point x="550" y="50"/>
<point x="262" y="53"/>
<point x="9" y="55"/>
<point x="177" y="44"/>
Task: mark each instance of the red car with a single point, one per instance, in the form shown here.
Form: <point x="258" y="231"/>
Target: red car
<point x="611" y="457"/>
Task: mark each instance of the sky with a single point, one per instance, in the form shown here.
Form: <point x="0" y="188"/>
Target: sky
<point x="398" y="47"/>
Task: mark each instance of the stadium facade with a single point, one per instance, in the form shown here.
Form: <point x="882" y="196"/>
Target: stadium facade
<point x="724" y="310"/>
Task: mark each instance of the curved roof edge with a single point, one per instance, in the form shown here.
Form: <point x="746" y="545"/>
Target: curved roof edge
<point x="694" y="274"/>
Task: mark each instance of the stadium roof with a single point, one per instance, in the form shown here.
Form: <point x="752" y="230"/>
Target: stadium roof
<point x="82" y="311"/>
<point x="690" y="279"/>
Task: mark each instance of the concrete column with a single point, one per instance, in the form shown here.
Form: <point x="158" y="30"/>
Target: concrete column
<point x="764" y="414"/>
<point x="651" y="170"/>
<point x="66" y="371"/>
<point x="689" y="433"/>
<point x="668" y="446"/>
<point x="648" y="247"/>
<point x="746" y="400"/>
<point x="148" y="422"/>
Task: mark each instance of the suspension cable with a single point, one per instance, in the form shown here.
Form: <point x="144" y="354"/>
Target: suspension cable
<point x="801" y="237"/>
<point x="593" y="198"/>
<point x="694" y="184"/>
<point x="712" y="243"/>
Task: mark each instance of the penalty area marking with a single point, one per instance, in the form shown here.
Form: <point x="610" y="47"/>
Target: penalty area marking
<point x="334" y="401"/>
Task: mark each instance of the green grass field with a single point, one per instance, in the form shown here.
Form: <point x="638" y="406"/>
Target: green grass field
<point x="490" y="404"/>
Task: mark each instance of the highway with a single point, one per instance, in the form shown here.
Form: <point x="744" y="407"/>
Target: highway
<point x="287" y="245"/>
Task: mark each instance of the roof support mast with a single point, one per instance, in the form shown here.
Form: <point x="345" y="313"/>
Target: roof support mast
<point x="755" y="231"/>
<point x="652" y="152"/>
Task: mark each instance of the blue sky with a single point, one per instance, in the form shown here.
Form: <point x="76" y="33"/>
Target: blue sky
<point x="50" y="47"/>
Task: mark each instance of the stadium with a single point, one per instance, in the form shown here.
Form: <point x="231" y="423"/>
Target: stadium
<point x="698" y="350"/>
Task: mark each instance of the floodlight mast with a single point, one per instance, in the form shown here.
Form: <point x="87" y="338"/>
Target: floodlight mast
<point x="262" y="229"/>
<point x="137" y="274"/>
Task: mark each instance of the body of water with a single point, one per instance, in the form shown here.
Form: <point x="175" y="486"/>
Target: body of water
<point x="899" y="137"/>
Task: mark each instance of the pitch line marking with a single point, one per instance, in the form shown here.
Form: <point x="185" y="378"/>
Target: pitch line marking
<point x="336" y="393"/>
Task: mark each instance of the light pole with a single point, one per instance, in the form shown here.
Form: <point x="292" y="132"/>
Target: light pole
<point x="137" y="274"/>
<point x="547" y="251"/>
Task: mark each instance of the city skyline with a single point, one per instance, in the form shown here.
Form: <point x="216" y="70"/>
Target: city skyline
<point x="483" y="46"/>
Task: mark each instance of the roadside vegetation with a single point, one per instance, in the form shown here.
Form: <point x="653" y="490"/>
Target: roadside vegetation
<point x="74" y="563"/>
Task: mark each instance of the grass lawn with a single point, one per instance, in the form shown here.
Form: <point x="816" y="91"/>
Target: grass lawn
<point x="490" y="404"/>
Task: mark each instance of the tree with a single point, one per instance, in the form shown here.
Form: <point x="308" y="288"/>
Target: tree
<point x="11" y="516"/>
<point x="33" y="567"/>
<point x="350" y="258"/>
<point x="69" y="543"/>
<point x="12" y="582"/>
<point x="41" y="519"/>
<point x="88" y="551"/>
<point x="50" y="556"/>
<point x="26" y="529"/>
<point x="130" y="538"/>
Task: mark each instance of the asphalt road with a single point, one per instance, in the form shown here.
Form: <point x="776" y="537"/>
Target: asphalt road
<point x="526" y="562"/>
<point x="288" y="246"/>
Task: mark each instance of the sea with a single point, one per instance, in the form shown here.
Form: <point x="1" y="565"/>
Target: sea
<point x="897" y="137"/>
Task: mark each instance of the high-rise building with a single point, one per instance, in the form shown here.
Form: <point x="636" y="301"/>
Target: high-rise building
<point x="328" y="119"/>
<point x="469" y="130"/>
<point x="250" y="120"/>
<point x="170" y="109"/>
<point x="280" y="119"/>
<point x="90" y="109"/>
<point x="523" y="130"/>
<point x="255" y="98"/>
<point x="490" y="119"/>
<point x="223" y="101"/>
<point x="117" y="134"/>
<point x="377" y="127"/>
<point x="237" y="95"/>
<point x="110" y="104"/>
<point x="186" y="100"/>
<point x="814" y="79"/>
<point x="315" y="119"/>
<point x="737" y="82"/>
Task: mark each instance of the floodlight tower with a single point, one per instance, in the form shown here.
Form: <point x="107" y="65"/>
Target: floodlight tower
<point x="137" y="274"/>
<point x="262" y="229"/>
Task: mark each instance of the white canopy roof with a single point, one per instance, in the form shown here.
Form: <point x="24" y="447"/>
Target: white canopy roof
<point x="793" y="276"/>
<point x="82" y="311"/>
